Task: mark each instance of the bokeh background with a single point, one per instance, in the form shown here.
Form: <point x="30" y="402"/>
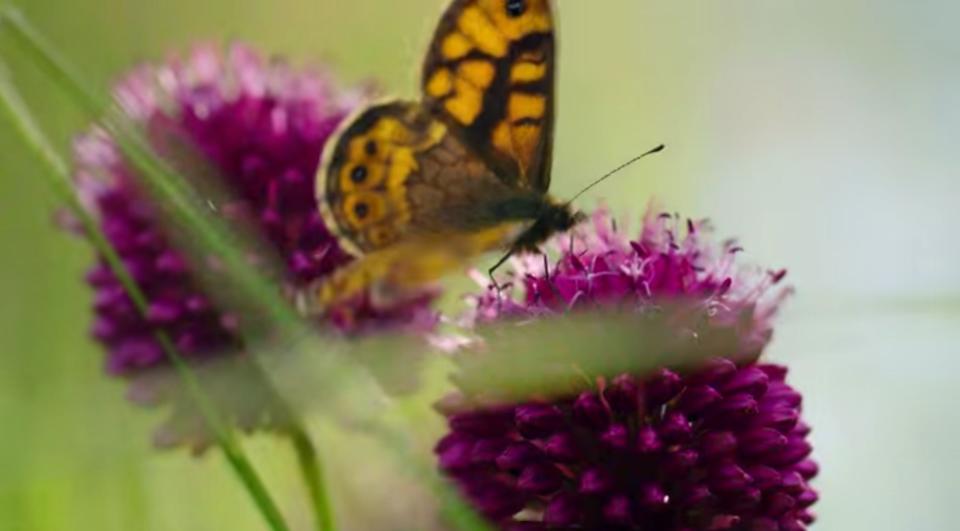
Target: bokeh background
<point x="821" y="133"/>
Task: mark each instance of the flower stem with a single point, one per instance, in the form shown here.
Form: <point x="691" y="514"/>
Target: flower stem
<point x="170" y="188"/>
<point x="311" y="469"/>
<point x="58" y="176"/>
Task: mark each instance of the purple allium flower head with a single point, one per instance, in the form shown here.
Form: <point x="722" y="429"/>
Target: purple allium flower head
<point x="719" y="447"/>
<point x="671" y="261"/>
<point x="722" y="448"/>
<point x="260" y="126"/>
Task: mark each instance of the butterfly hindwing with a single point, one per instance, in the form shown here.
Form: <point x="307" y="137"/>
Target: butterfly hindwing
<point x="363" y="179"/>
<point x="489" y="74"/>
<point x="396" y="271"/>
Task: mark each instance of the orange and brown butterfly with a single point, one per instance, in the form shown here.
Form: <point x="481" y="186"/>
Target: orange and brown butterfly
<point x="419" y="187"/>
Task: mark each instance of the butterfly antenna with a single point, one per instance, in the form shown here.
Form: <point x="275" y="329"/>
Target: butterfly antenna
<point x="615" y="171"/>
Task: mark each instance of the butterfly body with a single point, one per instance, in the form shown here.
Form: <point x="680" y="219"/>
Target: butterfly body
<point x="549" y="217"/>
<point x="418" y="187"/>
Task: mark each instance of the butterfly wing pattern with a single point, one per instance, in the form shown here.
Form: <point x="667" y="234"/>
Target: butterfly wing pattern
<point x="489" y="74"/>
<point x="418" y="188"/>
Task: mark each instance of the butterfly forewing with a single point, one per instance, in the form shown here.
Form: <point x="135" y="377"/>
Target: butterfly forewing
<point x="489" y="74"/>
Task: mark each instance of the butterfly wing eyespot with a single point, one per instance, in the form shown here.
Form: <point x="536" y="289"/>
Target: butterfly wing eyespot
<point x="489" y="74"/>
<point x="365" y="173"/>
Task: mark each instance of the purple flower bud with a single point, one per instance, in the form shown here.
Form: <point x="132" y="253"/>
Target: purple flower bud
<point x="764" y="477"/>
<point x="457" y="455"/>
<point x="751" y="380"/>
<point x="169" y="262"/>
<point x="675" y="428"/>
<point x="648" y="441"/>
<point x="717" y="445"/>
<point x="495" y="498"/>
<point x="695" y="496"/>
<point x="761" y="441"/>
<point x="563" y="510"/>
<point x="728" y="478"/>
<point x="562" y="447"/>
<point x="485" y="423"/>
<point x="807" y="498"/>
<point x="538" y="420"/>
<point x="734" y="410"/>
<point x="623" y="395"/>
<point x="807" y="468"/>
<point x="693" y="400"/>
<point x="662" y="387"/>
<point x="717" y="371"/>
<point x="792" y="482"/>
<point x="590" y="411"/>
<point x="780" y="393"/>
<point x="163" y="312"/>
<point x="794" y="451"/>
<point x="616" y="438"/>
<point x="618" y="511"/>
<point x="487" y="451"/>
<point x="791" y="524"/>
<point x="776" y="373"/>
<point x="679" y="460"/>
<point x="779" y="503"/>
<point x="519" y="455"/>
<point x="652" y="497"/>
<point x="105" y="330"/>
<point x="780" y="418"/>
<point x="746" y="500"/>
<point x="595" y="481"/>
<point x="764" y="524"/>
<point x="539" y="479"/>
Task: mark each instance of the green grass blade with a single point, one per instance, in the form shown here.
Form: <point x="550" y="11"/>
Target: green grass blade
<point x="58" y="175"/>
<point x="311" y="469"/>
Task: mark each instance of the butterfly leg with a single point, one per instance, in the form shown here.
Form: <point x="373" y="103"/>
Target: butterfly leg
<point x="503" y="260"/>
<point x="546" y="273"/>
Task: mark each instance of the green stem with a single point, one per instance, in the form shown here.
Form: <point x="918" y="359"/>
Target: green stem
<point x="58" y="176"/>
<point x="311" y="469"/>
<point x="172" y="189"/>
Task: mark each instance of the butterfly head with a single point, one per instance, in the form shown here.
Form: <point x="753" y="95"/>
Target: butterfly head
<point x="553" y="218"/>
<point x="560" y="217"/>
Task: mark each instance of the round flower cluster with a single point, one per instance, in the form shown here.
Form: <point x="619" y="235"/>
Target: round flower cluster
<point x="718" y="447"/>
<point x="671" y="262"/>
<point x="723" y="448"/>
<point x="257" y="128"/>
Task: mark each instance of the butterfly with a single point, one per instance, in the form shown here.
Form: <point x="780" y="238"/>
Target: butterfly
<point x="418" y="187"/>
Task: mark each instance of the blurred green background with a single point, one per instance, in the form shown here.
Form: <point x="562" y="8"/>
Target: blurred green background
<point x="822" y="134"/>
